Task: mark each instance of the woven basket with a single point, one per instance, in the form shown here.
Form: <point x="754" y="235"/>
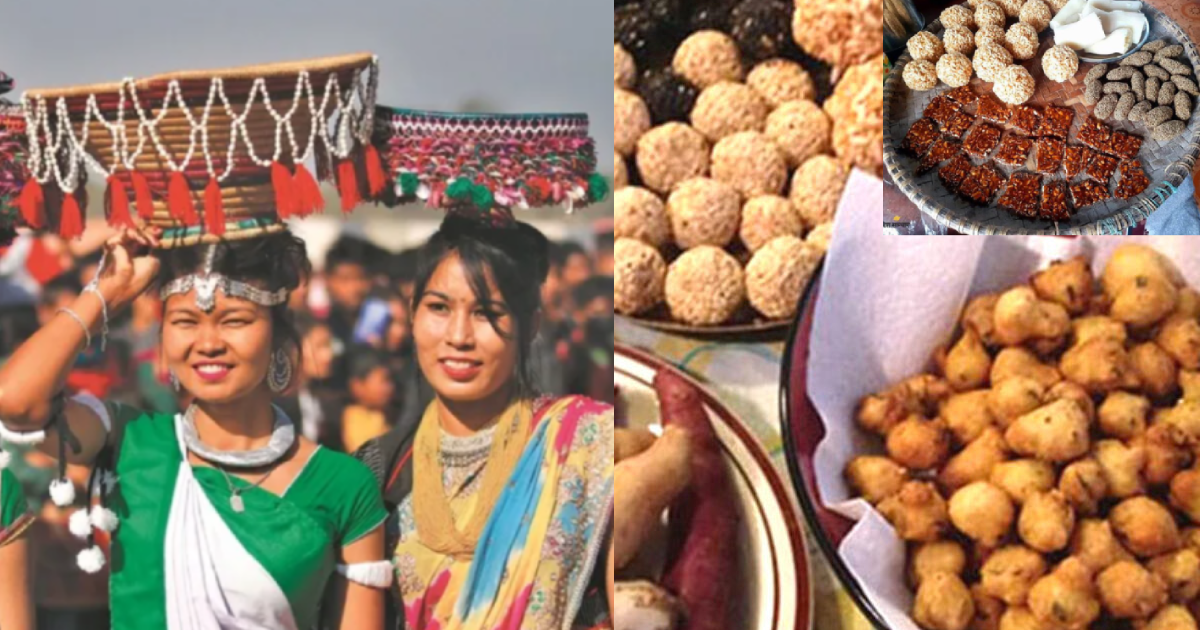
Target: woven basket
<point x="249" y="198"/>
<point x="1167" y="164"/>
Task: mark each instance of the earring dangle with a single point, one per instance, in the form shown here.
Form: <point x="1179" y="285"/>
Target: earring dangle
<point x="279" y="374"/>
<point x="174" y="380"/>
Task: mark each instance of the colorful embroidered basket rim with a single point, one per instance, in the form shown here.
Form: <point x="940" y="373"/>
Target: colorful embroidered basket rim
<point x="478" y="116"/>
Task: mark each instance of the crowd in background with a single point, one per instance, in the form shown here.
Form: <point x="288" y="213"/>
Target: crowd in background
<point x="357" y="379"/>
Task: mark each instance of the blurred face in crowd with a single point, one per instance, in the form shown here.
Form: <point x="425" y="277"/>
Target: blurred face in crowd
<point x="220" y="356"/>
<point x="398" y="329"/>
<point x="461" y="354"/>
<point x="318" y="353"/>
<point x="605" y="263"/>
<point x="348" y="284"/>
<point x="575" y="269"/>
<point x="375" y="390"/>
<point x="595" y="309"/>
<point x="298" y="299"/>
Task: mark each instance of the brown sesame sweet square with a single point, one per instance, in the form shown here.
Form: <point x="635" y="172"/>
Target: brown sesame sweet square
<point x="1124" y="145"/>
<point x="942" y="150"/>
<point x="981" y="184"/>
<point x="940" y="109"/>
<point x="1086" y="192"/>
<point x="1049" y="155"/>
<point x="1026" y="119"/>
<point x="1014" y="150"/>
<point x="920" y="137"/>
<point x="1056" y="121"/>
<point x="963" y="95"/>
<point x="1093" y="133"/>
<point x="1101" y="168"/>
<point x="958" y="124"/>
<point x="990" y="108"/>
<point x="1133" y="180"/>
<point x="1054" y="201"/>
<point x="1075" y="159"/>
<point x="981" y="140"/>
<point x="953" y="173"/>
<point x="1021" y="195"/>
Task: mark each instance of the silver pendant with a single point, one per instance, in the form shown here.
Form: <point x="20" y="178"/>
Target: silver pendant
<point x="235" y="500"/>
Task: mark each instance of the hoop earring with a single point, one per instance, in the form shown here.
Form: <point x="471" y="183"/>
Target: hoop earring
<point x="279" y="374"/>
<point x="174" y="380"/>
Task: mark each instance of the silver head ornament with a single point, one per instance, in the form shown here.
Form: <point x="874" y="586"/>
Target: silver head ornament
<point x="207" y="282"/>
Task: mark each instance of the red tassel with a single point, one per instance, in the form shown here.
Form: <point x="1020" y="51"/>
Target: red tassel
<point x="141" y="191"/>
<point x="179" y="200"/>
<point x="286" y="203"/>
<point x="118" y="203"/>
<point x="376" y="177"/>
<point x="33" y="204"/>
<point x="348" y="185"/>
<point x="308" y="193"/>
<point x="214" y="208"/>
<point x="70" y="225"/>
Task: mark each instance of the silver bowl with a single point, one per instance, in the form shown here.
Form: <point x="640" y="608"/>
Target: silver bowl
<point x="1087" y="58"/>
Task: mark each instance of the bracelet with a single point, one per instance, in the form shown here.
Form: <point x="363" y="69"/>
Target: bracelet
<point x="92" y="287"/>
<point x="75" y="316"/>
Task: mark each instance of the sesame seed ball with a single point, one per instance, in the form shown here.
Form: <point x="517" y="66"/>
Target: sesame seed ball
<point x="989" y="35"/>
<point x="856" y="108"/>
<point x="1012" y="8"/>
<point x="620" y="172"/>
<point x="704" y="211"/>
<point x="706" y="58"/>
<point x="765" y="217"/>
<point x="669" y="154"/>
<point x="801" y="129"/>
<point x="1060" y="63"/>
<point x="727" y="108"/>
<point x="989" y="14"/>
<point x="624" y="70"/>
<point x="957" y="15"/>
<point x="1022" y="41"/>
<point x="954" y="69"/>
<point x="751" y="163"/>
<point x="820" y="236"/>
<point x="638" y="278"/>
<point x="1036" y="14"/>
<point x="777" y="275"/>
<point x="631" y="119"/>
<point x="779" y="81"/>
<point x="639" y="213"/>
<point x="817" y="188"/>
<point x="1014" y="85"/>
<point x="959" y="39"/>
<point x="705" y="286"/>
<point x="925" y="45"/>
<point x="920" y="75"/>
<point x="1057" y="5"/>
<point x="990" y="59"/>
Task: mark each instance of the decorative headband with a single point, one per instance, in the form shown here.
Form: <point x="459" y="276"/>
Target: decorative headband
<point x="207" y="282"/>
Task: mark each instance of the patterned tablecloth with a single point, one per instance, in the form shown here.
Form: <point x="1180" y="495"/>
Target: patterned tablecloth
<point x="746" y="378"/>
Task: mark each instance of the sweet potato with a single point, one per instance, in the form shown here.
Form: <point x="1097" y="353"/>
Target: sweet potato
<point x="644" y="486"/>
<point x="630" y="442"/>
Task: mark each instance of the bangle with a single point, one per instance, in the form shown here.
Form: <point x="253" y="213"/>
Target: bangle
<point x="93" y="288"/>
<point x="75" y="316"/>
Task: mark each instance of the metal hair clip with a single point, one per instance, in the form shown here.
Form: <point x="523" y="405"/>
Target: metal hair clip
<point x="207" y="283"/>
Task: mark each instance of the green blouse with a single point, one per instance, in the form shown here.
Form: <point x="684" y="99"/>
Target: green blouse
<point x="14" y="511"/>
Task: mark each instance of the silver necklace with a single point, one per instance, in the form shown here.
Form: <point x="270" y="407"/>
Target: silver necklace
<point x="283" y="436"/>
<point x="235" y="493"/>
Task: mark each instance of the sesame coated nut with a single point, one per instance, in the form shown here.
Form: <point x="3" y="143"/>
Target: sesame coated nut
<point x="777" y="275"/>
<point x="1168" y="130"/>
<point x="638" y="276"/>
<point x="1106" y="106"/>
<point x="1124" y="106"/>
<point x="779" y="81"/>
<point x="1157" y="116"/>
<point x="801" y="129"/>
<point x="1096" y="73"/>
<point x="705" y="286"/>
<point x="639" y="213"/>
<point x="727" y="108"/>
<point x="703" y="211"/>
<point x="765" y="217"/>
<point x="1092" y="92"/>
<point x="751" y="163"/>
<point x="817" y="188"/>
<point x="706" y="58"/>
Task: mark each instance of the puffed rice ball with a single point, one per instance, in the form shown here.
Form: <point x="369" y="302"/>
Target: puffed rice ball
<point x="957" y="15"/>
<point x="856" y="109"/>
<point x="704" y="212"/>
<point x="639" y="213"/>
<point x="1060" y="63"/>
<point x="1057" y="5"/>
<point x="959" y="39"/>
<point x="631" y="119"/>
<point x="925" y="45"/>
<point x="728" y="108"/>
<point x="820" y="236"/>
<point x="705" y="286"/>
<point x="920" y="75"/>
<point x="991" y="59"/>
<point x="817" y="188"/>
<point x="638" y="278"/>
<point x="1014" y="85"/>
<point x="751" y="163"/>
<point x="1036" y="14"/>
<point x="669" y="154"/>
<point x="706" y="58"/>
<point x="801" y="129"/>
<point x="777" y="275"/>
<point x="989" y="35"/>
<point x="620" y="172"/>
<point x="765" y="217"/>
<point x="779" y="81"/>
<point x="988" y="14"/>
<point x="842" y="33"/>
<point x="1012" y="8"/>
<point x="624" y="70"/>
<point x="954" y="69"/>
<point x="1022" y="41"/>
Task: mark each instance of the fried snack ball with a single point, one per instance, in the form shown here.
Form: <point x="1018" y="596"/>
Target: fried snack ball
<point x="1144" y="302"/>
<point x="1010" y="572"/>
<point x="988" y="610"/>
<point x="1185" y="493"/>
<point x="1100" y="366"/>
<point x="975" y="462"/>
<point x="968" y="363"/>
<point x="942" y="556"/>
<point x="1092" y="327"/>
<point x="1065" y="597"/>
<point x="982" y="511"/>
<point x="1171" y="617"/>
<point x="1155" y="369"/>
<point x="1122" y="466"/>
<point x="1129" y="262"/>
<point x="1096" y="546"/>
<point x="1179" y="336"/>
<point x="918" y="394"/>
<point x="1180" y="571"/>
<point x="918" y="443"/>
<point x="1055" y="432"/>
<point x="1145" y="527"/>
<point x="1066" y="390"/>
<point x="1189" y="382"/>
<point x="1067" y="283"/>
<point x="1130" y="591"/>
<point x="1021" y="362"/>
<point x="978" y="316"/>
<point x="1022" y="478"/>
<point x="1046" y="522"/>
<point x="1167" y="453"/>
<point x="1123" y="415"/>
<point x="1014" y="397"/>
<point x="943" y="602"/>
<point x="917" y="513"/>
<point x="1083" y="485"/>
<point x="875" y="478"/>
<point x="1185" y="415"/>
<point x="1020" y="316"/>
<point x="1189" y="303"/>
<point x="967" y="414"/>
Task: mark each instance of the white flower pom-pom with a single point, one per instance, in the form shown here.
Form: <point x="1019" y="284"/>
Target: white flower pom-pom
<point x="62" y="492"/>
<point x="5" y="459"/>
<point x="104" y="519"/>
<point x="91" y="560"/>
<point x="79" y="524"/>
